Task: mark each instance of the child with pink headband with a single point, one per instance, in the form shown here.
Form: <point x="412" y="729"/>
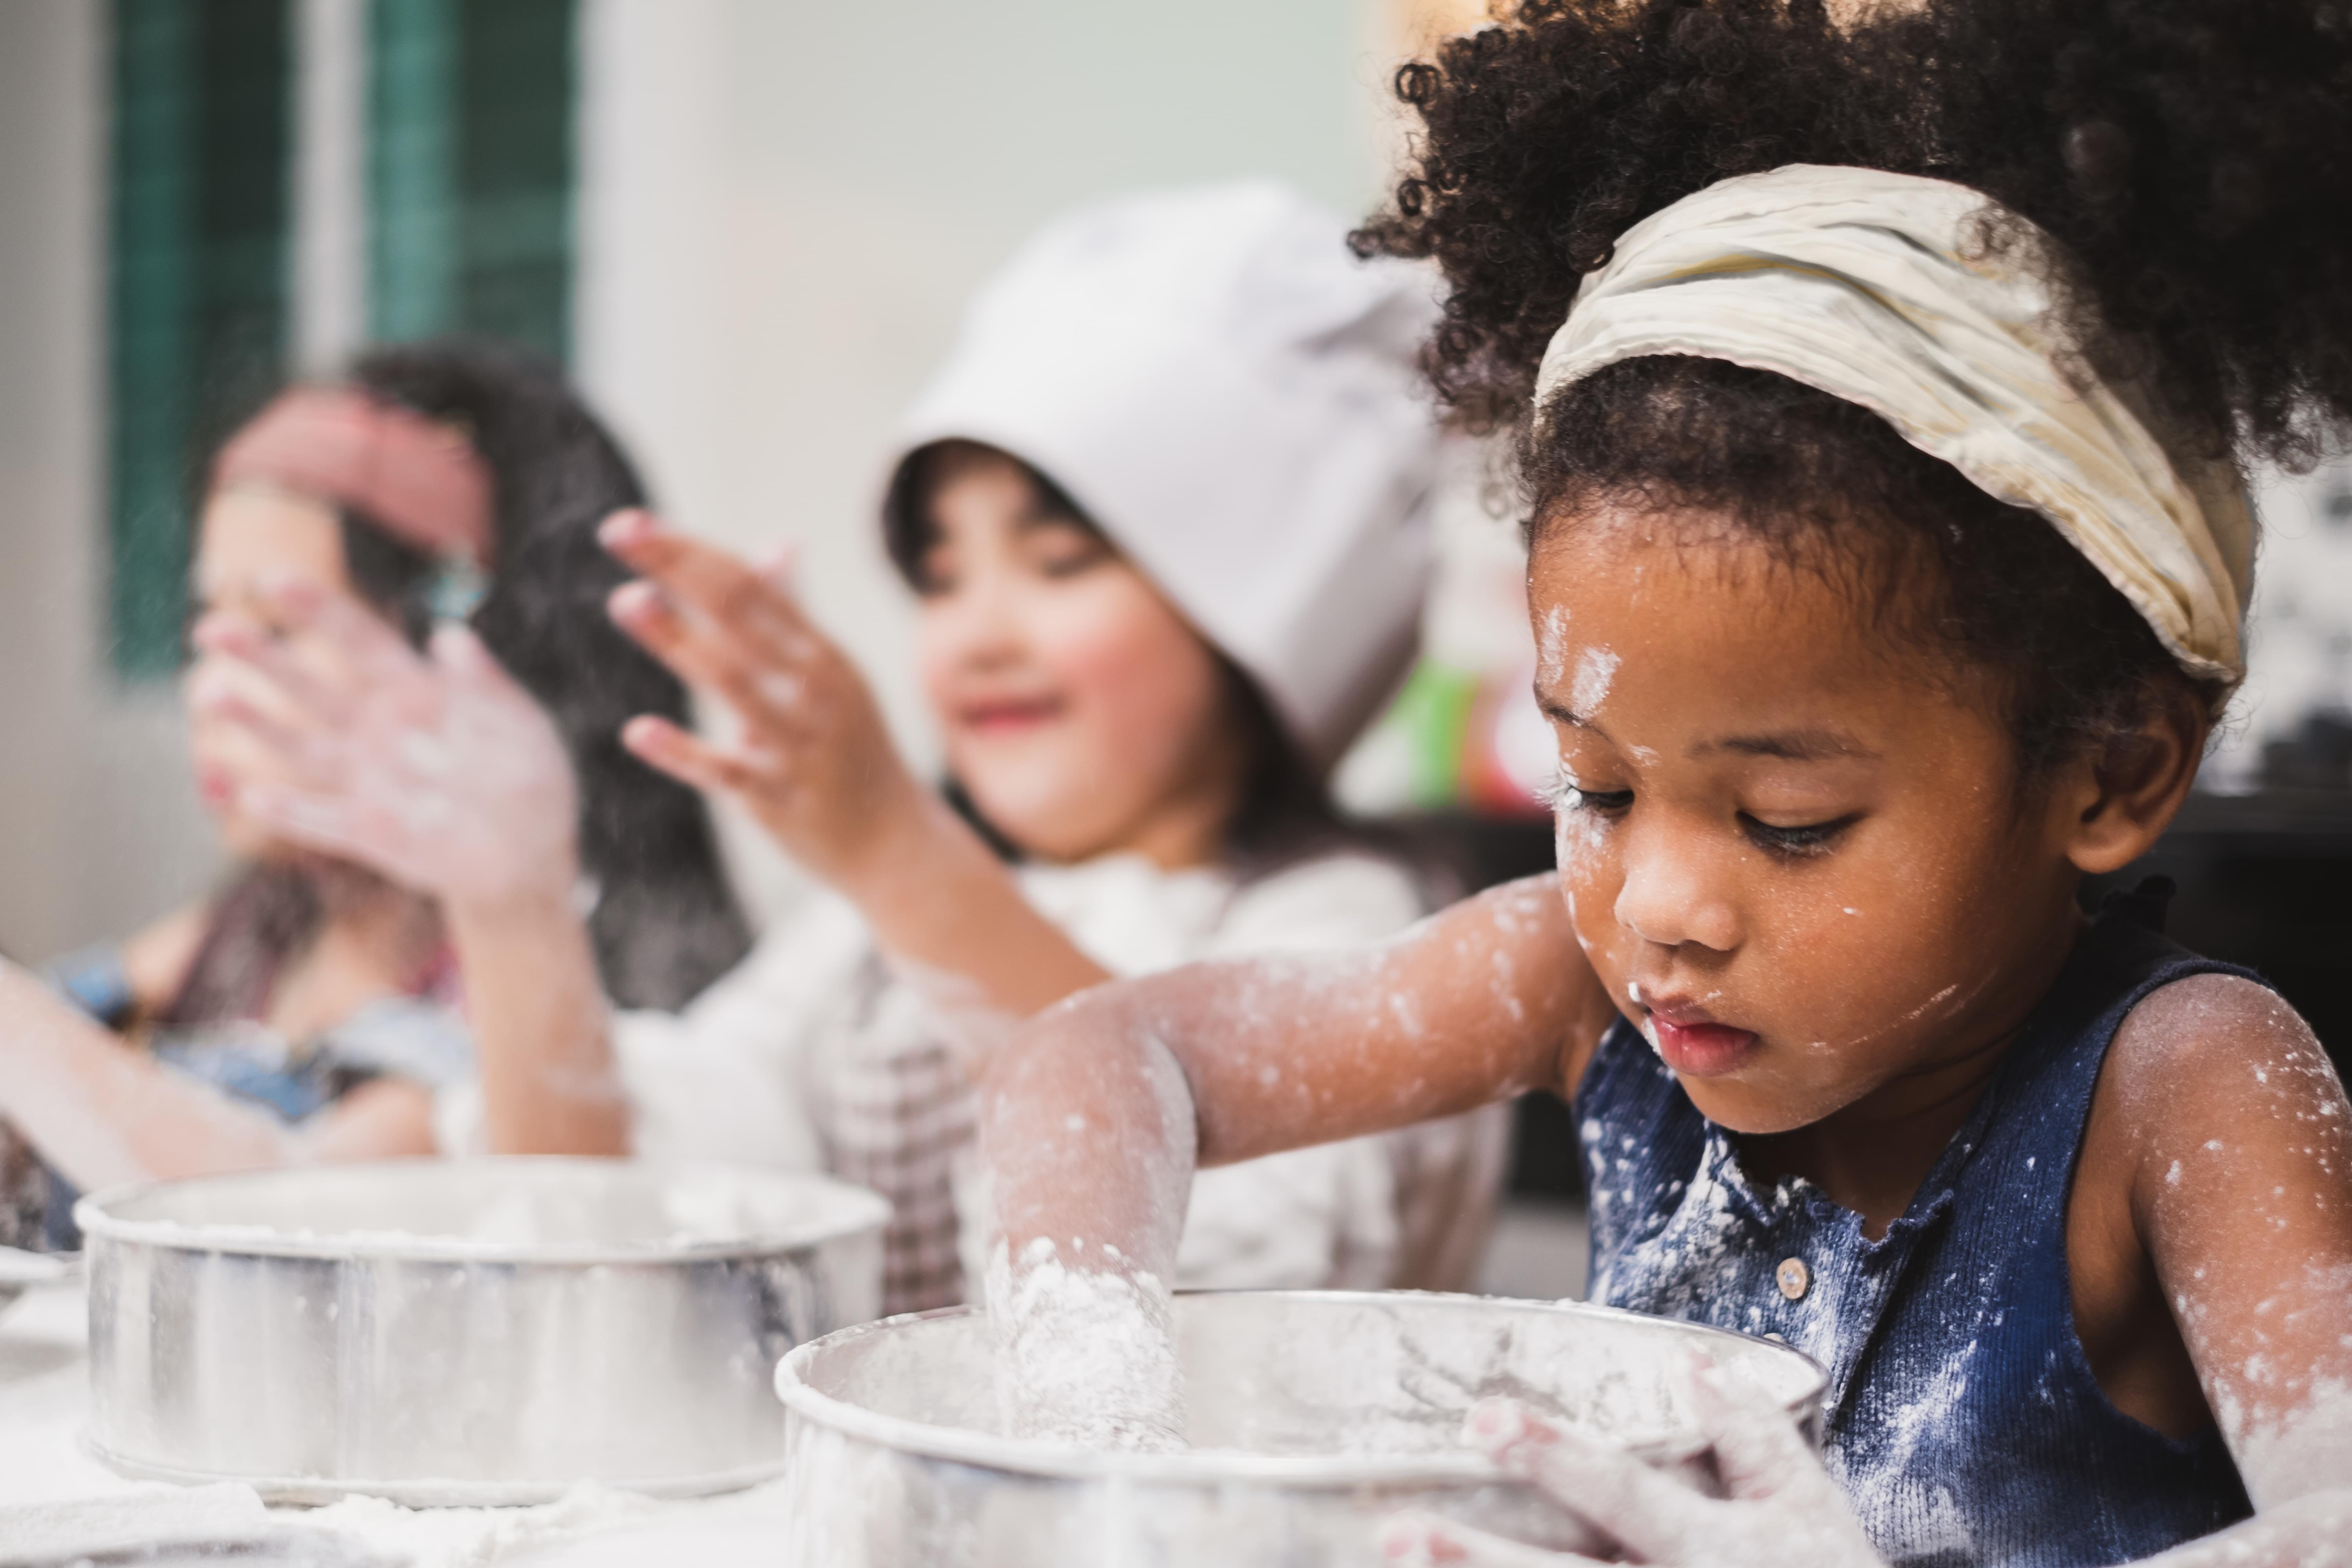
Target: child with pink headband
<point x="311" y="1007"/>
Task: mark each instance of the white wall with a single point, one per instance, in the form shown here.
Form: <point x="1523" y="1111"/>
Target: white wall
<point x="785" y="207"/>
<point x="2299" y="640"/>
<point x="99" y="825"/>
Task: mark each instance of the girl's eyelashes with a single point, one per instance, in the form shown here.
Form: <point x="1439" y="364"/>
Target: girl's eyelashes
<point x="1565" y="797"/>
<point x="1070" y="565"/>
<point x="1565" y="793"/>
<point x="1804" y="840"/>
<point x="1809" y="839"/>
<point x="1065" y="552"/>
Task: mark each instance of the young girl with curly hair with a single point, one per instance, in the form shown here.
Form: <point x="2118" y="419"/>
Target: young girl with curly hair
<point x="1881" y="384"/>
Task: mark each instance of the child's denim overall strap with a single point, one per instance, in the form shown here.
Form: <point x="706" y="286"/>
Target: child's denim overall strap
<point x="1964" y="1419"/>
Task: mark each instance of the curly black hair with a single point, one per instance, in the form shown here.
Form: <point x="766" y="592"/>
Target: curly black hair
<point x="2192" y="158"/>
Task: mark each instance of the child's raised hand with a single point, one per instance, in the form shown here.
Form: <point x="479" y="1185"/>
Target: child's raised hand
<point x="436" y="770"/>
<point x="813" y="760"/>
<point x="1784" y="1510"/>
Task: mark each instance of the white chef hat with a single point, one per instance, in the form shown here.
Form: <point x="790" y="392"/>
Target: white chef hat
<point x="1233" y="398"/>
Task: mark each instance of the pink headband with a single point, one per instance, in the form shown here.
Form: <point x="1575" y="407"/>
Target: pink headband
<point x="420" y="480"/>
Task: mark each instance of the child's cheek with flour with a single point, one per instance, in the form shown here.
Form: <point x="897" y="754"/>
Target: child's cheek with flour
<point x="1794" y="855"/>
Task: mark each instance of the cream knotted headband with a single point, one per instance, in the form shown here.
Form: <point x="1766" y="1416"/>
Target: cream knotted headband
<point x="1861" y="283"/>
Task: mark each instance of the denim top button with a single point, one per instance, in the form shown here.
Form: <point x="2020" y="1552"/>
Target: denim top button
<point x="1792" y="1277"/>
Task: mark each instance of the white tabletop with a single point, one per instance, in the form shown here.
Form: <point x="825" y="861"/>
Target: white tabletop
<point x="44" y="1400"/>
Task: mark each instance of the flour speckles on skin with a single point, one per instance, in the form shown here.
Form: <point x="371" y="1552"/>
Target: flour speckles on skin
<point x="1552" y="646"/>
<point x="1504" y="985"/>
<point x="1650" y="1032"/>
<point x="1577" y="836"/>
<point x="1407" y="1017"/>
<point x="1596" y="670"/>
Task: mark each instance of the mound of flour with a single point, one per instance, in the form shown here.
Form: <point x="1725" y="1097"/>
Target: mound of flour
<point x="1085" y="1357"/>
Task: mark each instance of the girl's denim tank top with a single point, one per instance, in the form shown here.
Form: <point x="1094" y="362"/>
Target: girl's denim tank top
<point x="1963" y="1418"/>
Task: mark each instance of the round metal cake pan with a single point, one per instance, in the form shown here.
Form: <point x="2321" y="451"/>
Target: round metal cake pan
<point x="1312" y="1417"/>
<point x="465" y="1331"/>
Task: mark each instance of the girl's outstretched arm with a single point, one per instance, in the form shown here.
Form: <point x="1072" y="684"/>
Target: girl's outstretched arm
<point x="1093" y="1121"/>
<point x="104" y="1113"/>
<point x="815" y="764"/>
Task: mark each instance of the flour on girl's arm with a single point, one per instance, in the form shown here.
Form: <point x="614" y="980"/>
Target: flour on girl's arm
<point x="2253" y="1202"/>
<point x="2289" y="1426"/>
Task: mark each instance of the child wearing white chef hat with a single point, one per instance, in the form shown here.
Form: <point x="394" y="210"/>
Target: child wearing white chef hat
<point x="1165" y="509"/>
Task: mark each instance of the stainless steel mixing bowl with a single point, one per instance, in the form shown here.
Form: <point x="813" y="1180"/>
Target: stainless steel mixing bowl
<point x="465" y="1331"/>
<point x="1312" y="1416"/>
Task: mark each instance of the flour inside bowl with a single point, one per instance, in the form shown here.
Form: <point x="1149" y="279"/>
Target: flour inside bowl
<point x="1085" y="1357"/>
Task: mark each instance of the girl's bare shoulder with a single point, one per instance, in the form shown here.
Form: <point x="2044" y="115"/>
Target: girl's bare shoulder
<point x="2213" y="1045"/>
<point x="2232" y="1145"/>
<point x="2218" y="1109"/>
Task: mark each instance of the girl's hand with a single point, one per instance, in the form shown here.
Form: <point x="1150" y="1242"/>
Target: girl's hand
<point x="1784" y="1510"/>
<point x="438" y="772"/>
<point x="813" y="760"/>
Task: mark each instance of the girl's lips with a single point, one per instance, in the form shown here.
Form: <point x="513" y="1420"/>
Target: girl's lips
<point x="1004" y="718"/>
<point x="1702" y="1050"/>
<point x="215" y="787"/>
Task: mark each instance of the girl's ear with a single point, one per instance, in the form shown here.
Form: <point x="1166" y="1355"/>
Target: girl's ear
<point x="2123" y="793"/>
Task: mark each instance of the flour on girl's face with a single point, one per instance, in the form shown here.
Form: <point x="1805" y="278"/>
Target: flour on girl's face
<point x="1596" y="669"/>
<point x="1552" y="646"/>
<point x="1577" y="836"/>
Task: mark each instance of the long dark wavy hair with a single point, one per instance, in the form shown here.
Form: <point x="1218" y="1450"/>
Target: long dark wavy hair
<point x="665" y="923"/>
<point x="2192" y="158"/>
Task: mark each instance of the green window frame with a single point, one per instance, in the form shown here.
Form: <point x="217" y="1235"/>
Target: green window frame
<point x="199" y="246"/>
<point x="471" y="177"/>
<point x="471" y="169"/>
